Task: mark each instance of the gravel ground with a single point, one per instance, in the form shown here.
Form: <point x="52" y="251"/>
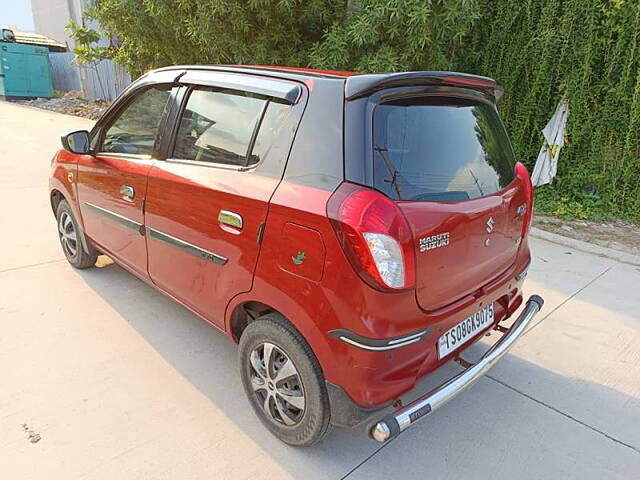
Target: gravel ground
<point x="616" y="234"/>
<point x="70" y="103"/>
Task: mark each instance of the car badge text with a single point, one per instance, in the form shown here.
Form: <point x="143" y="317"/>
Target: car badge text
<point x="434" y="241"/>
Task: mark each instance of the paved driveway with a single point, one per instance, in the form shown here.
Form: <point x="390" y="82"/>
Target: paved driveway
<point x="120" y="382"/>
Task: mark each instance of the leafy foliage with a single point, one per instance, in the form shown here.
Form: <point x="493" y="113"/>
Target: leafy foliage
<point x="539" y="50"/>
<point x="88" y="52"/>
<point x="588" y="50"/>
<point x="388" y="35"/>
<point x="87" y="49"/>
<point x="163" y="32"/>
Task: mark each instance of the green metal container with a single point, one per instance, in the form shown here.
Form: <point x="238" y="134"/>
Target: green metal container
<point x="25" y="71"/>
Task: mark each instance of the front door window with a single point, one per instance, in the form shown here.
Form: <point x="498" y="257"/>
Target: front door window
<point x="134" y="130"/>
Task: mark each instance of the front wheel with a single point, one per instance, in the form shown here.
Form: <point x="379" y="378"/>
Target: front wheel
<point x="70" y="240"/>
<point x="283" y="380"/>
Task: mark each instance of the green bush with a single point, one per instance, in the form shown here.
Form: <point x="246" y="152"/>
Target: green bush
<point x="154" y="33"/>
<point x="588" y="50"/>
<point x="392" y="35"/>
<point x="539" y="50"/>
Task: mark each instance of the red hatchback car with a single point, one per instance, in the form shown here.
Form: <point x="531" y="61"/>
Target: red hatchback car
<point x="352" y="233"/>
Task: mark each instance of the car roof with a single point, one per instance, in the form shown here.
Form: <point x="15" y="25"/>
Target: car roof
<point x="314" y="72"/>
<point x="356" y="84"/>
<point x="292" y="73"/>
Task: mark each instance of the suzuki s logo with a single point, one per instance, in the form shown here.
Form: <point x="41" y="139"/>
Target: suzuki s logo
<point x="490" y="224"/>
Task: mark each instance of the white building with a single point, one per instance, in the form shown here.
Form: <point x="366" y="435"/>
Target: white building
<point x="50" y="17"/>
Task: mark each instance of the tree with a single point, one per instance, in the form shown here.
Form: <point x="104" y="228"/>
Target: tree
<point x="365" y="35"/>
<point x="392" y="35"/>
<point x="167" y="32"/>
<point x="87" y="51"/>
<point x="539" y="50"/>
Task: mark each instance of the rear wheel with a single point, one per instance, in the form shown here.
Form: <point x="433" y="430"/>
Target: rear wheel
<point x="283" y="380"/>
<point x="70" y="240"/>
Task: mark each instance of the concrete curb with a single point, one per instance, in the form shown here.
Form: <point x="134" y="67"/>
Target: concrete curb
<point x="618" y="255"/>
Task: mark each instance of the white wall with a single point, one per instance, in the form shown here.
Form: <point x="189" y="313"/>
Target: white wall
<point x="50" y="17"/>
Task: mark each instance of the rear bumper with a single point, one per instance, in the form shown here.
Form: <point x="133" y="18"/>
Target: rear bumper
<point x="400" y="420"/>
<point x="344" y="412"/>
<point x="382" y="344"/>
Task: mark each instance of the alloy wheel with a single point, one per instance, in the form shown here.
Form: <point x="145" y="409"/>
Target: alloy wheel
<point x="276" y="384"/>
<point x="68" y="235"/>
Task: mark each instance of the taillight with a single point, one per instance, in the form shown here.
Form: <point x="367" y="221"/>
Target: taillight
<point x="522" y="173"/>
<point x="375" y="236"/>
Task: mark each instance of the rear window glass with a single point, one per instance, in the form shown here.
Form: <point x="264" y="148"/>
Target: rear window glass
<point x="440" y="149"/>
<point x="270" y="127"/>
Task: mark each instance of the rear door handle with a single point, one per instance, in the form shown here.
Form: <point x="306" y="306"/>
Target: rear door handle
<point x="230" y="219"/>
<point x="127" y="191"/>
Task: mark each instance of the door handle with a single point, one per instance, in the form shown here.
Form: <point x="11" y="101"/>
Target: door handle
<point x="127" y="191"/>
<point x="230" y="219"/>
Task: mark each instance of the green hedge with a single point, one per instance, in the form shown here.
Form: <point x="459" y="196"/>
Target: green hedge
<point x="588" y="50"/>
<point x="539" y="50"/>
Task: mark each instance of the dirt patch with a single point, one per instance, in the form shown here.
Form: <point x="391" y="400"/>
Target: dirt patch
<point x="70" y="103"/>
<point x="617" y="234"/>
<point x="32" y="435"/>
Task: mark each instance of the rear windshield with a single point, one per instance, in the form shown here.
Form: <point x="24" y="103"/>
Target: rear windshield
<point x="440" y="149"/>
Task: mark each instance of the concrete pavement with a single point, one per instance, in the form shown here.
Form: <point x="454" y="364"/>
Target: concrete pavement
<point x="120" y="382"/>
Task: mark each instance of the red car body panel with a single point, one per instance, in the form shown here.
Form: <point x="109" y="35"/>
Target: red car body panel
<point x="467" y="261"/>
<point x="284" y="216"/>
<point x="98" y="183"/>
<point x="64" y="167"/>
<point x="184" y="201"/>
<point x="342" y="300"/>
<point x="303" y="70"/>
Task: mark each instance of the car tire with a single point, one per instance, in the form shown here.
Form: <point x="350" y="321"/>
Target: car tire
<point x="287" y="392"/>
<point x="71" y="240"/>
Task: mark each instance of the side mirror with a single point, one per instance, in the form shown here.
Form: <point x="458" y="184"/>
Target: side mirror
<point x="76" y="142"/>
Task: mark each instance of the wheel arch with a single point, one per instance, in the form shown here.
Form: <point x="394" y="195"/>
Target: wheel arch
<point x="249" y="310"/>
<point x="55" y="197"/>
<point x="246" y="308"/>
<point x="244" y="313"/>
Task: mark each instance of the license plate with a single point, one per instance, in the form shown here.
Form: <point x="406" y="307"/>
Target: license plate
<point x="465" y="331"/>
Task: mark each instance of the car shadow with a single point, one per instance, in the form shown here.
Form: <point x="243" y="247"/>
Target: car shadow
<point x="207" y="359"/>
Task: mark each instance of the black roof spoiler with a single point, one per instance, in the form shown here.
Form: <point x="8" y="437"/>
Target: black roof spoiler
<point x="362" y="85"/>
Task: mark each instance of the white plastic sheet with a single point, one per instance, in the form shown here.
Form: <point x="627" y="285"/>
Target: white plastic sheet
<point x="547" y="161"/>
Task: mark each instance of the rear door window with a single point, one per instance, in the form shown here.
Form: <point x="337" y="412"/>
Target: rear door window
<point x="440" y="149"/>
<point x="228" y="127"/>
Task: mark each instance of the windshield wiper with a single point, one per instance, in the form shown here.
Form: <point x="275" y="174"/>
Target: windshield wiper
<point x="475" y="179"/>
<point x="392" y="170"/>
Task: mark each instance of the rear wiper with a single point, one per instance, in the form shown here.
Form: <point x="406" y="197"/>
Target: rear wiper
<point x="475" y="179"/>
<point x="392" y="170"/>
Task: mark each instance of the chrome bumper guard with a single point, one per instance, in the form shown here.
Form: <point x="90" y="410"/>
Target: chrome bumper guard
<point x="394" y="423"/>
